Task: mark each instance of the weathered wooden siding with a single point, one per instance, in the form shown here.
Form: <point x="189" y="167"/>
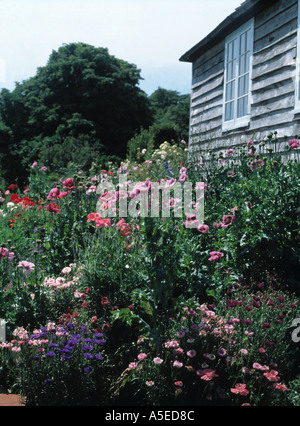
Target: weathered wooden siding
<point x="273" y="85"/>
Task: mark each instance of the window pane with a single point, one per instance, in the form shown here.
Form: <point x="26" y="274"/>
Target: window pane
<point x="243" y="43"/>
<point x="243" y="88"/>
<point x="229" y="111"/>
<point x="230" y="89"/>
<point x="231" y="70"/>
<point x="242" y="107"/>
<point x="237" y="79"/>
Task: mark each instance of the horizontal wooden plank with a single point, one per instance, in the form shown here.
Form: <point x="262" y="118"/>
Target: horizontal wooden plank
<point x="271" y="106"/>
<point x="285" y="87"/>
<point x="210" y="97"/>
<point x="272" y="119"/>
<point x="215" y="64"/>
<point x="276" y="63"/>
<point x="211" y="85"/>
<point x="273" y="36"/>
<point x="205" y="106"/>
<point x="276" y="8"/>
<point x="210" y="53"/>
<point x="279" y="15"/>
<point x="213" y="76"/>
<point x="275" y="49"/>
<point x="263" y="82"/>
<point x="211" y="114"/>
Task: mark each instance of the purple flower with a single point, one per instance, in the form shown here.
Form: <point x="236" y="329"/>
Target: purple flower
<point x="50" y="354"/>
<point x="88" y="355"/>
<point x="98" y="356"/>
<point x="87" y="348"/>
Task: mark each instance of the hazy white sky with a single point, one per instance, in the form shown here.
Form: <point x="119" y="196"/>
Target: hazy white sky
<point x="153" y="34"/>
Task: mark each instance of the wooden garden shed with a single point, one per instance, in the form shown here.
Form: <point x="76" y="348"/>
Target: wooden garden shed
<point x="245" y="78"/>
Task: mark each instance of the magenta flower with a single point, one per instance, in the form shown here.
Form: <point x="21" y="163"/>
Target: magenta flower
<point x="69" y="184"/>
<point x="215" y="255"/>
<point x="203" y="229"/>
<point x="227" y="220"/>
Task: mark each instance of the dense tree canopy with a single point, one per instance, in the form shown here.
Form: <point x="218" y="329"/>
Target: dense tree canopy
<point x="171" y="113"/>
<point x="84" y="106"/>
<point x="82" y="90"/>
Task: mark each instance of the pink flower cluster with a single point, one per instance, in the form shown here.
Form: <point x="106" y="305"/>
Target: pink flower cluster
<point x="294" y="143"/>
<point x="57" y="194"/>
<point x="99" y="222"/>
<point x="5" y="253"/>
<point x="183" y="174"/>
<point x="215" y="255"/>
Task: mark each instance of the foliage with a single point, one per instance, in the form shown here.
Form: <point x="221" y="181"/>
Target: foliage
<point x="82" y="92"/>
<point x="195" y="316"/>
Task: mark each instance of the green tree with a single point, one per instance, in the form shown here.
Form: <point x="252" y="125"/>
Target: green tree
<point x="171" y="108"/>
<point x="82" y="92"/>
<point x="171" y="114"/>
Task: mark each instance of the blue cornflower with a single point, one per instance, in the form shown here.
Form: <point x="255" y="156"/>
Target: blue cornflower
<point x="50" y="354"/>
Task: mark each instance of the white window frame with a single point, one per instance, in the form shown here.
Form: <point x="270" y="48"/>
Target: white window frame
<point x="297" y="79"/>
<point x="243" y="121"/>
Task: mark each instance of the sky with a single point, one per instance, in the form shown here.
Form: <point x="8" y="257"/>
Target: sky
<point x="152" y="34"/>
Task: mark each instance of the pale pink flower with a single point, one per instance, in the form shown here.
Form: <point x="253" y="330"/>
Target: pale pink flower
<point x="142" y="356"/>
<point x="28" y="267"/>
<point x="158" y="361"/>
<point x="132" y="365"/>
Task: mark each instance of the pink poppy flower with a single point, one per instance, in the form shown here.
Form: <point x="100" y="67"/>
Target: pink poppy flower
<point x="28" y="267"/>
<point x="54" y="193"/>
<point x="207" y="374"/>
<point x="69" y="184"/>
<point x="53" y="208"/>
<point x="240" y="389"/>
<point x="272" y="376"/>
<point x="215" y="255"/>
<point x="227" y="220"/>
<point x="203" y="229"/>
